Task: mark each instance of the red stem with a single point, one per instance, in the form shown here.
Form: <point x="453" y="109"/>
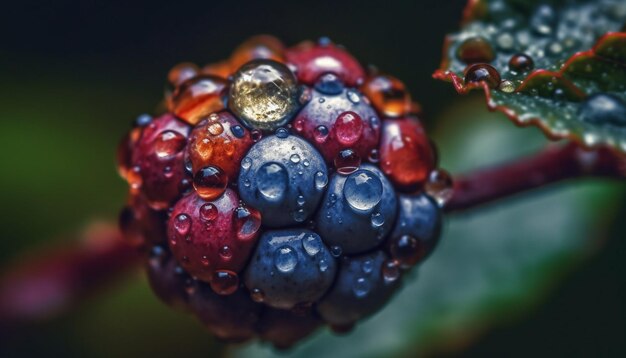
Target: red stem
<point x="554" y="164"/>
<point x="53" y="281"/>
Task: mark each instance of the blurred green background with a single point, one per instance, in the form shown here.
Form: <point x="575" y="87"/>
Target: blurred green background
<point x="543" y="274"/>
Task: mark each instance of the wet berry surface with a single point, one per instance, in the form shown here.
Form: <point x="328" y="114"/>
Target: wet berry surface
<point x="283" y="190"/>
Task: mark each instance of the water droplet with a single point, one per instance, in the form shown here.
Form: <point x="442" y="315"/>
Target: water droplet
<point x="256" y="135"/>
<point x="321" y="134"/>
<point x="336" y="251"/>
<point x="348" y="128"/>
<point x="272" y="181"/>
<point x="321" y="180"/>
<point x="182" y="224"/>
<point x="226" y="253"/>
<point x="282" y="133"/>
<point x="507" y="86"/>
<point x="323" y="265"/>
<point x="482" y="72"/>
<point x="347" y="161"/>
<point x="407" y="250"/>
<point x="210" y="182"/>
<point x="520" y="63"/>
<point x="299" y="215"/>
<point x="439" y="186"/>
<point x="215" y="128"/>
<point x="224" y="282"/>
<point x="285" y="259"/>
<point x="246" y="163"/>
<point x="390" y="271"/>
<point x="377" y="220"/>
<point x="204" y="261"/>
<point x="300" y="200"/>
<point x="475" y="50"/>
<point x="329" y="84"/>
<point x="295" y="158"/>
<point x="298" y="124"/>
<point x="367" y="266"/>
<point x="363" y="191"/>
<point x="238" y="131"/>
<point x="306" y="163"/>
<point x="361" y="287"/>
<point x="247" y="222"/>
<point x="374" y="156"/>
<point x="312" y="245"/>
<point x="264" y="94"/>
<point x="353" y="96"/>
<point x="169" y="143"/>
<point x="305" y="96"/>
<point x="143" y="120"/>
<point x="257" y="295"/>
<point x="208" y="212"/>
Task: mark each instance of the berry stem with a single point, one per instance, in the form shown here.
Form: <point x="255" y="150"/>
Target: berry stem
<point x="553" y="164"/>
<point x="53" y="281"/>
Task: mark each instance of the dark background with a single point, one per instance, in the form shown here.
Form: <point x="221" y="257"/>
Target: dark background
<point x="127" y="48"/>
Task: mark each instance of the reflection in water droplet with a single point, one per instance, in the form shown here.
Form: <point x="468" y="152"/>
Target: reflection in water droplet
<point x="226" y="253"/>
<point x="182" y="224"/>
<point x="257" y="295"/>
<point x="377" y="220"/>
<point x="321" y="134"/>
<point x="285" y="259"/>
<point x="312" y="245"/>
<point x="347" y="161"/>
<point x="336" y="251"/>
<point x="295" y="158"/>
<point x="169" y="143"/>
<point x="208" y="212"/>
<point x="272" y="180"/>
<point x="299" y="215"/>
<point x="323" y="265"/>
<point x="439" y="186"/>
<point x="321" y="180"/>
<point x="224" y="282"/>
<point x="361" y="287"/>
<point x="348" y="128"/>
<point x="246" y="163"/>
<point x="210" y="182"/>
<point x="247" y="222"/>
<point x="367" y="266"/>
<point x="363" y="191"/>
<point x="390" y="271"/>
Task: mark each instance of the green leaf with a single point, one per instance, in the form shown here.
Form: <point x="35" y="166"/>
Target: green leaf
<point x="490" y="266"/>
<point x="577" y="52"/>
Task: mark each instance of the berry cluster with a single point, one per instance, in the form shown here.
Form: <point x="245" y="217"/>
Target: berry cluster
<point x="282" y="189"/>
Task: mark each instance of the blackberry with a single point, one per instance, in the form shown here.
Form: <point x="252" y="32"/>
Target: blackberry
<point x="282" y="190"/>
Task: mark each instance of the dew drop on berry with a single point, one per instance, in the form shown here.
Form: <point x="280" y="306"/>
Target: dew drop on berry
<point x="353" y="96"/>
<point x="363" y="191"/>
<point x="388" y="95"/>
<point x="361" y="287"/>
<point x="224" y="282"/>
<point x="348" y="128"/>
<point x="323" y="265"/>
<point x="257" y="295"/>
<point x="390" y="271"/>
<point x="507" y="86"/>
<point x="264" y="94"/>
<point x="377" y="220"/>
<point x="237" y="131"/>
<point x="321" y="134"/>
<point x="374" y="156"/>
<point x="312" y="245"/>
<point x="226" y="253"/>
<point x="204" y="260"/>
<point x="198" y="97"/>
<point x="169" y="143"/>
<point x="256" y="135"/>
<point x="475" y="50"/>
<point x="246" y="163"/>
<point x="208" y="212"/>
<point x="321" y="180"/>
<point x="182" y="224"/>
<point x="272" y="180"/>
<point x="295" y="158"/>
<point x="367" y="266"/>
<point x="299" y="215"/>
<point x="347" y="161"/>
<point x="407" y="250"/>
<point x="439" y="186"/>
<point x="143" y="120"/>
<point x="247" y="222"/>
<point x="285" y="259"/>
<point x="215" y="128"/>
<point x="336" y="251"/>
<point x="210" y="182"/>
<point x="329" y="84"/>
<point x="282" y="132"/>
<point x="482" y="72"/>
